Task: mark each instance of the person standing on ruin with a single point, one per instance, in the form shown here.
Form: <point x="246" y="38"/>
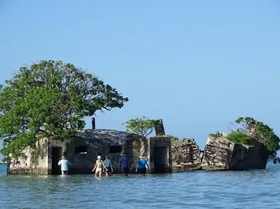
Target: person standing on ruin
<point x="124" y="164"/>
<point x="65" y="165"/>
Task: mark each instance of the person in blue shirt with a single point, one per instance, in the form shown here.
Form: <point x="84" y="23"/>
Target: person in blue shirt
<point x="65" y="165"/>
<point x="124" y="164"/>
<point x="108" y="165"/>
<point x="142" y="166"/>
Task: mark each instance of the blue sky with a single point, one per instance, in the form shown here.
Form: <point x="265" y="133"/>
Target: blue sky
<point x="198" y="65"/>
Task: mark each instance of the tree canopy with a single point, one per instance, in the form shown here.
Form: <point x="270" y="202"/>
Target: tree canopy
<point x="251" y="131"/>
<point x="50" y="98"/>
<point x="141" y="126"/>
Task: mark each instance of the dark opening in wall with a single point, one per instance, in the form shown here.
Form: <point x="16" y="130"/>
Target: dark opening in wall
<point x="81" y="150"/>
<point x="115" y="149"/>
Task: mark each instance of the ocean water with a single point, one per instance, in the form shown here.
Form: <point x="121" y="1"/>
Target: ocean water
<point x="258" y="189"/>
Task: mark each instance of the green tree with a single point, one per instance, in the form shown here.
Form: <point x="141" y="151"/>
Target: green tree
<point x="142" y="127"/>
<point x="251" y="131"/>
<point x="50" y="99"/>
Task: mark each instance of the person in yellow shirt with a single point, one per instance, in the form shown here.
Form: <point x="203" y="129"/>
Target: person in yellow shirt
<point x="99" y="165"/>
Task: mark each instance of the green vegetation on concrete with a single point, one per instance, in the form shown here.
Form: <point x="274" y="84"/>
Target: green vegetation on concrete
<point x="251" y="131"/>
<point x="50" y="99"/>
<point x="240" y="138"/>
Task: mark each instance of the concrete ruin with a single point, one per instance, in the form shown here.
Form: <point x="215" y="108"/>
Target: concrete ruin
<point x="186" y="155"/>
<point x="84" y="148"/>
<point x="222" y="154"/>
<point x="165" y="154"/>
<point x="219" y="154"/>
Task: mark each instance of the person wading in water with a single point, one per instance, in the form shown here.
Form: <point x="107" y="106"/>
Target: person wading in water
<point x="124" y="164"/>
<point x="65" y="164"/>
<point x="99" y="165"/>
<point x="108" y="165"/>
<point x="142" y="166"/>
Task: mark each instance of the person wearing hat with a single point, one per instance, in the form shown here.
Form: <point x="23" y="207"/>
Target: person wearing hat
<point x="99" y="164"/>
<point x="124" y="164"/>
<point x="142" y="165"/>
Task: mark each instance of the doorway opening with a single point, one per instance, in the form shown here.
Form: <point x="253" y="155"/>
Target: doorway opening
<point x="56" y="154"/>
<point x="160" y="159"/>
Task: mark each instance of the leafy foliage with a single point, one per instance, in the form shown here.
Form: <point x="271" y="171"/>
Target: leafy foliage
<point x="251" y="131"/>
<point x="141" y="126"/>
<point x="50" y="99"/>
<point x="240" y="138"/>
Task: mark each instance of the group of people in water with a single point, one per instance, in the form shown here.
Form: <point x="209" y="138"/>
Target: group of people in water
<point x="106" y="166"/>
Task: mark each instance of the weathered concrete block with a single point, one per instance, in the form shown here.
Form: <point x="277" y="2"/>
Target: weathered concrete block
<point x="248" y="157"/>
<point x="35" y="160"/>
<point x="217" y="153"/>
<point x="186" y="155"/>
<point x="222" y="154"/>
<point x="159" y="128"/>
<point x="160" y="154"/>
<point x="83" y="150"/>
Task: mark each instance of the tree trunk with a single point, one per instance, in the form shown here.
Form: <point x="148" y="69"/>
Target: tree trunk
<point x="144" y="147"/>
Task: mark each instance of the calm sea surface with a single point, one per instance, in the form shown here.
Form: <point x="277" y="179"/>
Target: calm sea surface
<point x="259" y="189"/>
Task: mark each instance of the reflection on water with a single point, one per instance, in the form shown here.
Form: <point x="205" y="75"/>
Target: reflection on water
<point x="246" y="189"/>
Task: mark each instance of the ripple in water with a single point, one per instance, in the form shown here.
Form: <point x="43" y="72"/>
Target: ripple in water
<point x="195" y="190"/>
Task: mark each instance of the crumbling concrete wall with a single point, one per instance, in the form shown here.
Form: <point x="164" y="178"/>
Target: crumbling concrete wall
<point x="100" y="142"/>
<point x="217" y="153"/>
<point x="222" y="154"/>
<point x="186" y="155"/>
<point x="35" y="160"/>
